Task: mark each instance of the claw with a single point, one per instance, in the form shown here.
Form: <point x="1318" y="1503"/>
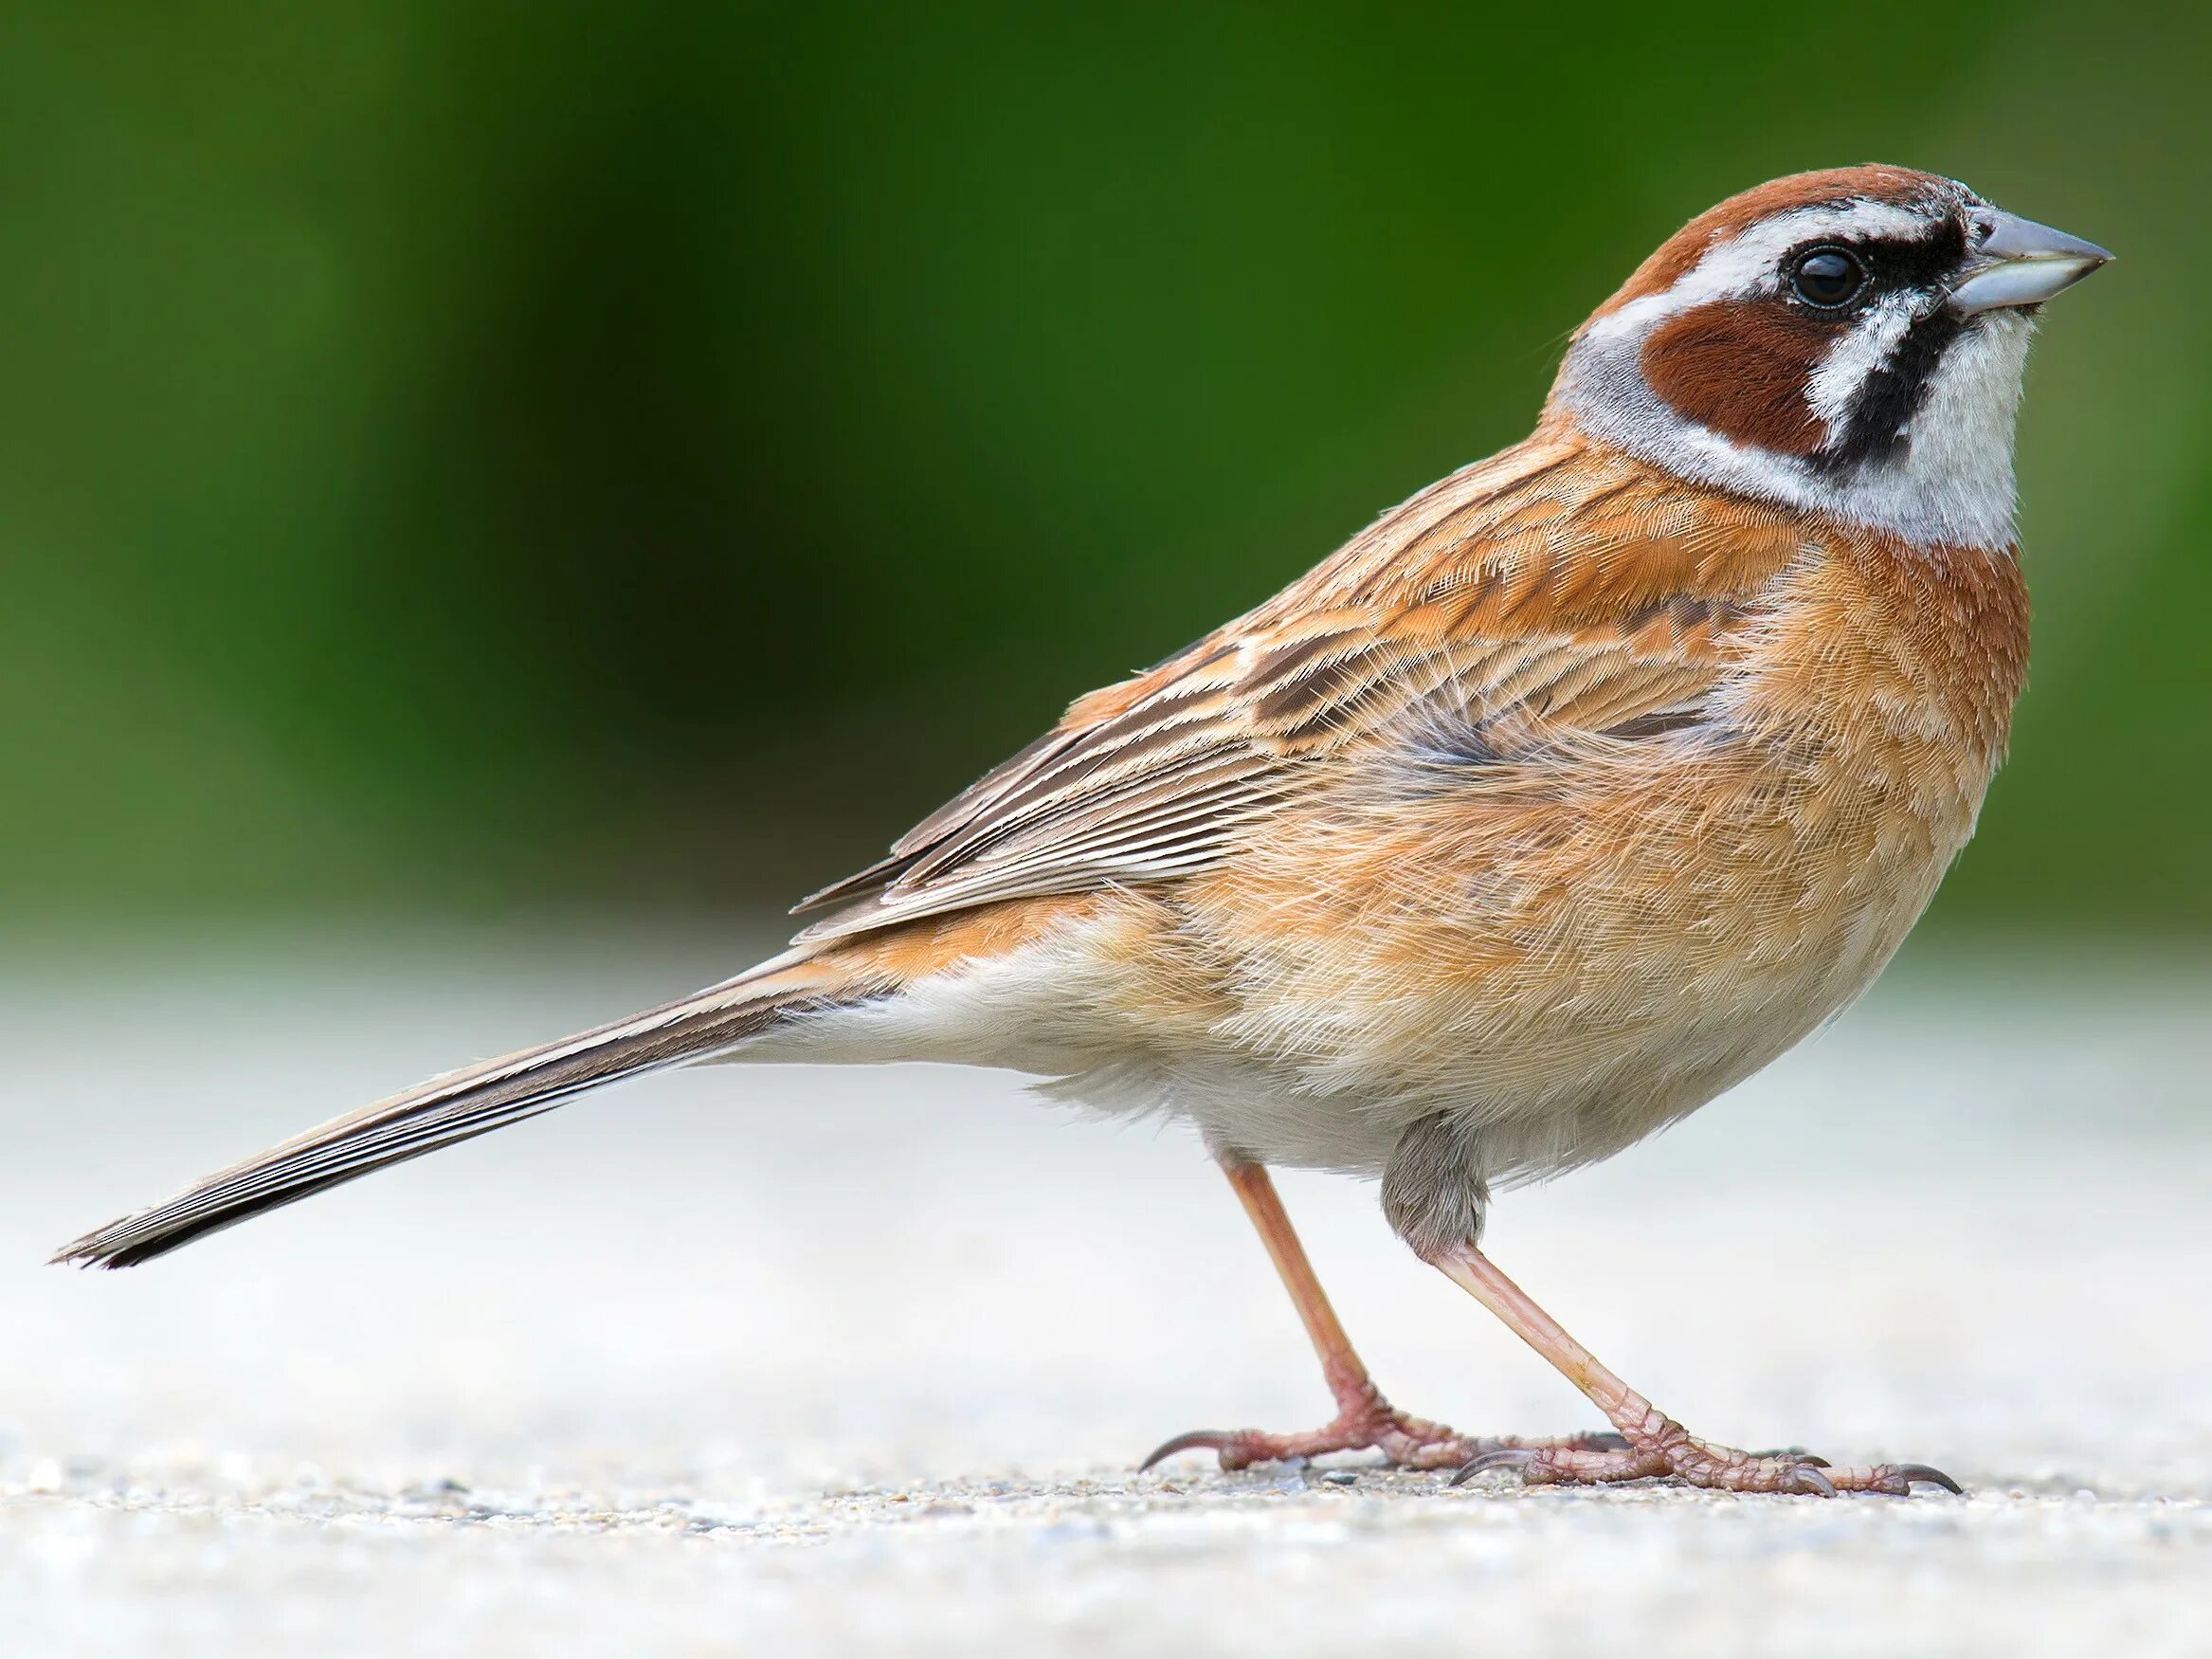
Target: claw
<point x="1213" y="1440"/>
<point x="1910" y="1472"/>
<point x="1502" y="1457"/>
<point x="1810" y="1479"/>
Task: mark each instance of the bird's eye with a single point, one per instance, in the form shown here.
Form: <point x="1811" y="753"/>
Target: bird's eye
<point x="1828" y="277"/>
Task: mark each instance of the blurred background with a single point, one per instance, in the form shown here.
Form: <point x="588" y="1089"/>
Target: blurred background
<point x="474" y="458"/>
<point x="496" y="500"/>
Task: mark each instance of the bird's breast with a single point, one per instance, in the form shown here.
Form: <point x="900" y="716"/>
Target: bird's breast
<point x="1577" y="952"/>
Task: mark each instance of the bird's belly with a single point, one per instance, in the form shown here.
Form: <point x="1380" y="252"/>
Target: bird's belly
<point x="1569" y="982"/>
<point x="1558" y="1069"/>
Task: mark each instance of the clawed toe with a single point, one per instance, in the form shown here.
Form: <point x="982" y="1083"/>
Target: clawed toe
<point x="1405" y="1442"/>
<point x="1812" y="1477"/>
<point x="1920" y="1473"/>
<point x="1482" y="1463"/>
<point x="1665" y="1453"/>
<point x="1218" y="1441"/>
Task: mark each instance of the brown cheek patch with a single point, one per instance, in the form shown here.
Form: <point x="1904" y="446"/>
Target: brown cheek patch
<point x="1741" y="367"/>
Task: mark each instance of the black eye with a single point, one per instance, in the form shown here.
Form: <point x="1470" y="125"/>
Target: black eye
<point x="1828" y="277"/>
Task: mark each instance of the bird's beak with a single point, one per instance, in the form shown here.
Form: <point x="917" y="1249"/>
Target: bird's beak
<point x="2017" y="261"/>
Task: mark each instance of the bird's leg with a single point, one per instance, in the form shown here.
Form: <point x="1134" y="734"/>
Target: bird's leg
<point x="1365" y="1419"/>
<point x="1656" y="1443"/>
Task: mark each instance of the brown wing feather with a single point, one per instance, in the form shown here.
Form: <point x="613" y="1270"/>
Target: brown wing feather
<point x="1556" y="588"/>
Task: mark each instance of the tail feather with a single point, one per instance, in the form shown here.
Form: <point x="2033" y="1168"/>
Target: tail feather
<point x="462" y="1105"/>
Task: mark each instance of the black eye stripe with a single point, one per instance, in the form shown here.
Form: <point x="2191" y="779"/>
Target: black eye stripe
<point x="1883" y="407"/>
<point x="1890" y="396"/>
<point x="1916" y="262"/>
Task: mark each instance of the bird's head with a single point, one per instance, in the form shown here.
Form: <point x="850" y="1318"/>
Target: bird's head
<point x="1850" y="341"/>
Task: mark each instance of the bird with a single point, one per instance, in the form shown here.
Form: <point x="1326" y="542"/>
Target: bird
<point x="1568" y="793"/>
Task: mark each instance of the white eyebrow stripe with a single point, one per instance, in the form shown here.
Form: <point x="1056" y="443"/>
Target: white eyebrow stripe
<point x="1750" y="263"/>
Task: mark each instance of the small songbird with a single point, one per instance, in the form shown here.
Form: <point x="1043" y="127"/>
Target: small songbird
<point x="1564" y="795"/>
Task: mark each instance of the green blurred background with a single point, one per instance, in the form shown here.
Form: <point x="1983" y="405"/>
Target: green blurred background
<point x="472" y="458"/>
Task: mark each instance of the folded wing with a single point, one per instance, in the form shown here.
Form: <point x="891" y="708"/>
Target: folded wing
<point x="1457" y="618"/>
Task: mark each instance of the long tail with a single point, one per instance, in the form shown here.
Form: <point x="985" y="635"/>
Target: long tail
<point x="471" y="1102"/>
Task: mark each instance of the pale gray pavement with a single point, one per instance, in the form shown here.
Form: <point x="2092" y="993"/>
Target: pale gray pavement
<point x="824" y="1362"/>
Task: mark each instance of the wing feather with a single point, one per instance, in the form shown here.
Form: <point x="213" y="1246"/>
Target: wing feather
<point x="1524" y="597"/>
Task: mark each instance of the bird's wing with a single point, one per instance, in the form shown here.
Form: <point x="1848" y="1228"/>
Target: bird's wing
<point x="1553" y="590"/>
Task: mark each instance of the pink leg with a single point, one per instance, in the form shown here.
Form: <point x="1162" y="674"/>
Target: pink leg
<point x="1655" y="1445"/>
<point x="1365" y="1419"/>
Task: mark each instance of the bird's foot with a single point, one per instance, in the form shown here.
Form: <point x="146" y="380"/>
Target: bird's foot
<point x="1660" y="1448"/>
<point x="1368" y="1422"/>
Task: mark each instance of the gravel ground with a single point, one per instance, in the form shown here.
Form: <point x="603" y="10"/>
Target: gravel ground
<point x="802" y="1361"/>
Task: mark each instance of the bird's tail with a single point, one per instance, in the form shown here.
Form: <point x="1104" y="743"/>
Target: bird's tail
<point x="474" y="1101"/>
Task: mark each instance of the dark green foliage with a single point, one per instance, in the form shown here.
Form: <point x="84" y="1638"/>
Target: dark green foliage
<point x="497" y="454"/>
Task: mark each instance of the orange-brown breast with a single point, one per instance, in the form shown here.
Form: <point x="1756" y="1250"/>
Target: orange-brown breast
<point x="1579" y="945"/>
